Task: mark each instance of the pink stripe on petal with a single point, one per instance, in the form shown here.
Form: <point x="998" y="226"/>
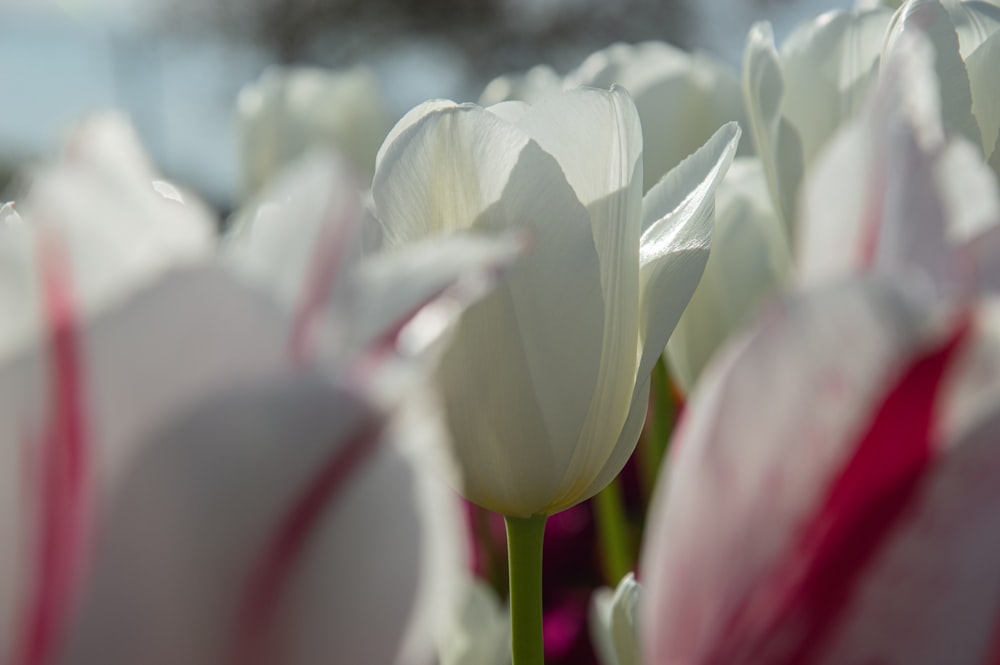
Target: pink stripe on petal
<point x="63" y="468"/>
<point x="331" y="248"/>
<point x="871" y="228"/>
<point x="273" y="572"/>
<point x="788" y="618"/>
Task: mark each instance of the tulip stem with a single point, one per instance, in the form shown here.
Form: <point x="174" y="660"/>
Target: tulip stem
<point x="656" y="436"/>
<point x="613" y="532"/>
<point x="524" y="555"/>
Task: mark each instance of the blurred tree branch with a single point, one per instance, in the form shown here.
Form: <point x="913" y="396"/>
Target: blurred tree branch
<point x="495" y="35"/>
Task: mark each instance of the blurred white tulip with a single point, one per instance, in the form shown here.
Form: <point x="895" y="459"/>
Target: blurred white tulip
<point x="480" y="631"/>
<point x="895" y="194"/>
<point x="749" y="264"/>
<point x="798" y="98"/>
<point x="682" y="98"/>
<point x="106" y="203"/>
<point x="964" y="35"/>
<point x="614" y="617"/>
<point x="546" y="381"/>
<point x="192" y="469"/>
<point x="795" y="100"/>
<point x="292" y="110"/>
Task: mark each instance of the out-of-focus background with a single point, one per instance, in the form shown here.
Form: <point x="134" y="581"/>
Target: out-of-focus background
<point x="176" y="66"/>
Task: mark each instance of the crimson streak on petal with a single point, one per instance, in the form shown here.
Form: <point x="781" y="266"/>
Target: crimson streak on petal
<point x="787" y="618"/>
<point x="273" y="571"/>
<point x="331" y="247"/>
<point x="63" y="452"/>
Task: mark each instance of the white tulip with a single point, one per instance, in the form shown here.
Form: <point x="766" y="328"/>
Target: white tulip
<point x="479" y="634"/>
<point x="796" y="99"/>
<point x="682" y="98"/>
<point x="546" y="381"/>
<point x="614" y="620"/>
<point x="291" y="110"/>
<point x="966" y="42"/>
<point x="528" y="86"/>
<point x="931" y="188"/>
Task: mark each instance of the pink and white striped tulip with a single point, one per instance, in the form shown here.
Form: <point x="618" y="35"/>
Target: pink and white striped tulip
<point x="832" y="493"/>
<point x="187" y="473"/>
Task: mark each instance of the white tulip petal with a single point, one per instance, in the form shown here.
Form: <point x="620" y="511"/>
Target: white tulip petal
<point x="613" y="618"/>
<point x="911" y="241"/>
<point x="417" y="432"/>
<point x="100" y="202"/>
<point x="981" y="65"/>
<point x="226" y="335"/>
<point x="930" y="18"/>
<point x="982" y="258"/>
<point x="778" y="143"/>
<point x="19" y="299"/>
<point x="914" y="196"/>
<point x="412" y="117"/>
<point x="444" y="171"/>
<point x="599" y="622"/>
<point x="614" y="133"/>
<point x="832" y="238"/>
<point x="975" y="22"/>
<point x="532" y="85"/>
<point x="974" y="387"/>
<point x="612" y="195"/>
<point x="673" y="252"/>
<point x="844" y="203"/>
<point x="671" y="88"/>
<point x="968" y="189"/>
<point x="510" y="441"/>
<point x="624" y="619"/>
<point x="481" y="634"/>
<point x="827" y="65"/>
<point x="695" y="179"/>
<point x="750" y="259"/>
<point x="107" y="144"/>
<point x="123" y="381"/>
<point x="465" y="168"/>
<point x="301" y="233"/>
<point x="708" y="98"/>
<point x="678" y="216"/>
<point x="290" y="111"/>
<point x="511" y="111"/>
<point x="186" y="534"/>
<point x="623" y="449"/>
<point x="390" y="289"/>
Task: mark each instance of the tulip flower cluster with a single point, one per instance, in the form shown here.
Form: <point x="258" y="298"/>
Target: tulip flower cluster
<point x="253" y="447"/>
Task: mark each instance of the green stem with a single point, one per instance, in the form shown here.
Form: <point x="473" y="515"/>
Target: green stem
<point x="524" y="556"/>
<point x="661" y="424"/>
<point x="612" y="533"/>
